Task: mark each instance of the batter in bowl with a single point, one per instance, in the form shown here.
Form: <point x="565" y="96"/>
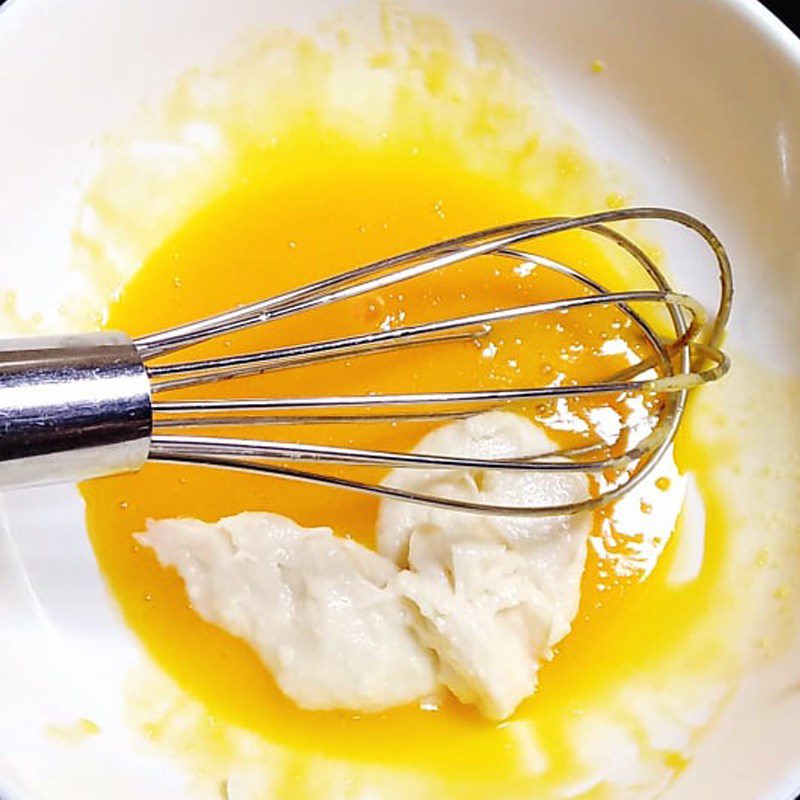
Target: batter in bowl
<point x="309" y="189"/>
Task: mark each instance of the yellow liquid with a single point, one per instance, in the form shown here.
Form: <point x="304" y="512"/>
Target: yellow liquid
<point x="316" y="206"/>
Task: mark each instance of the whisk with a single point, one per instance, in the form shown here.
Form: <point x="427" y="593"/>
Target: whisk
<point x="79" y="406"/>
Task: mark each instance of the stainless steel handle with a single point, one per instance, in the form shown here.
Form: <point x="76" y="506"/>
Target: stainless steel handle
<point x="72" y="407"/>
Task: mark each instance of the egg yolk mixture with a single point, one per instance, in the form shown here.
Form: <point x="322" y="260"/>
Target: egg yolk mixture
<point x="319" y="200"/>
<point x="322" y="205"/>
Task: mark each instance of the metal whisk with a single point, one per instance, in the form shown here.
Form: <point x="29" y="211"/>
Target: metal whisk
<point x="80" y="406"/>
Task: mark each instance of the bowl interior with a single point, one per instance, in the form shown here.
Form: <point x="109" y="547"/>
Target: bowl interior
<point x="699" y="103"/>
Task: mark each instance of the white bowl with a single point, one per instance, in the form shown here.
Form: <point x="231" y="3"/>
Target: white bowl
<point x="700" y="102"/>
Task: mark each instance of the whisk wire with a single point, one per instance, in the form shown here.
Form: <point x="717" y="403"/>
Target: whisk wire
<point x="690" y="357"/>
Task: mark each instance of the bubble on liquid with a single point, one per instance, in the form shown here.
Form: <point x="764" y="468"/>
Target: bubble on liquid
<point x="524" y="269"/>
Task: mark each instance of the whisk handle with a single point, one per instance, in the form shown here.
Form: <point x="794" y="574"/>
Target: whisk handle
<point x="72" y="407"/>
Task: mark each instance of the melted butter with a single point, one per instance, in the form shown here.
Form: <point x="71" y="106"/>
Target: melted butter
<point x="308" y="192"/>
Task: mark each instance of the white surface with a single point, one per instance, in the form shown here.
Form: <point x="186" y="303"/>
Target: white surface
<point x="701" y="96"/>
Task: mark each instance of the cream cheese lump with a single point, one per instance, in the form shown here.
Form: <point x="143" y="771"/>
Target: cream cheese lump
<point x="469" y="602"/>
<point x="323" y="613"/>
<point x="491" y="594"/>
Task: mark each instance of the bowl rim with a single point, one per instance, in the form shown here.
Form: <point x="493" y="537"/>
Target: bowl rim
<point x="757" y="13"/>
